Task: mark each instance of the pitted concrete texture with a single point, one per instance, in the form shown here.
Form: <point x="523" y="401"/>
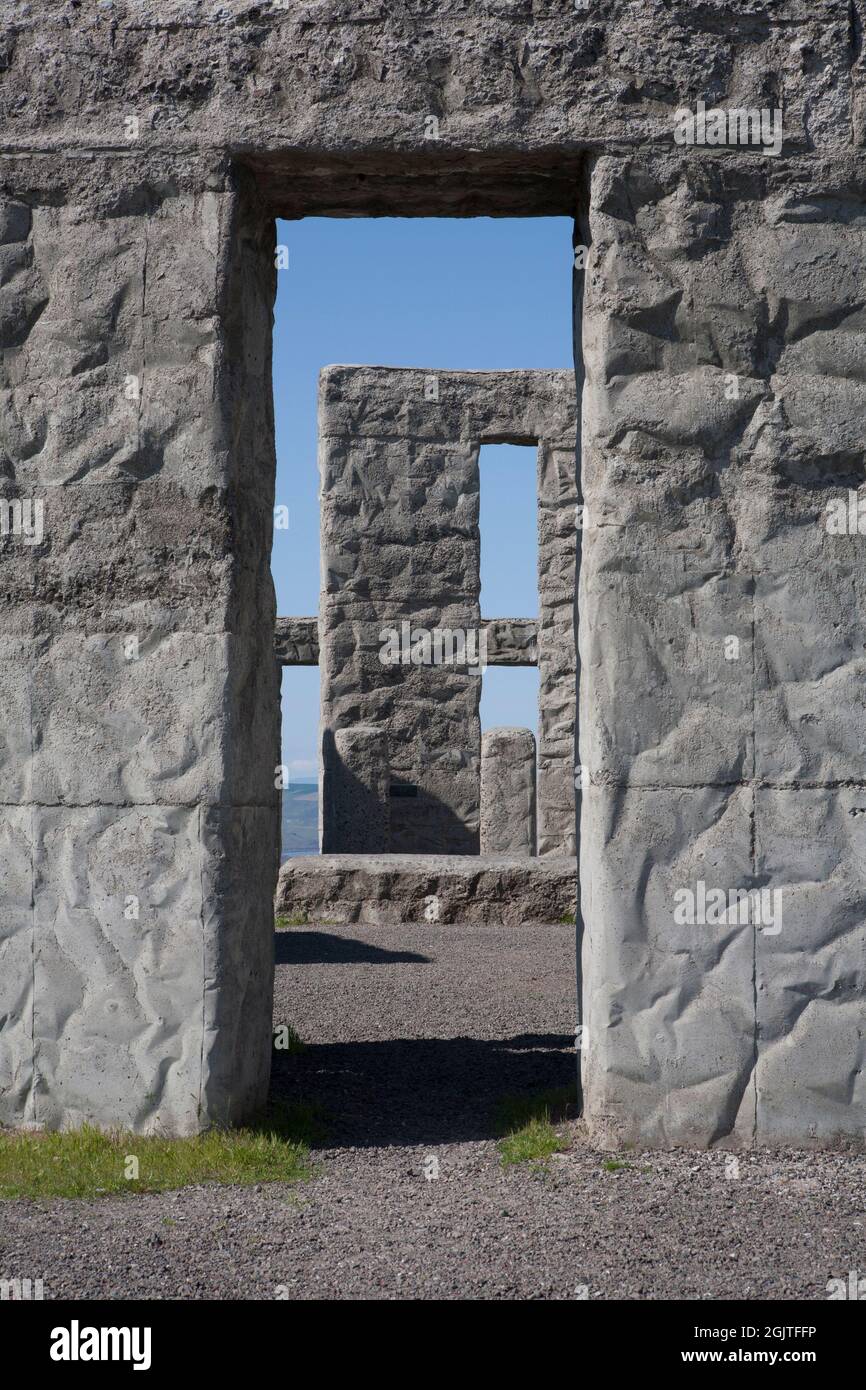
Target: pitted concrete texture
<point x="508" y="641"/>
<point x="511" y="641"/>
<point x="296" y="641"/>
<point x="398" y="457"/>
<point x="358" y="797"/>
<point x="519" y="90"/>
<point x="390" y="888"/>
<point x="137" y="675"/>
<point x="508" y="791"/>
<point x="709" y="578"/>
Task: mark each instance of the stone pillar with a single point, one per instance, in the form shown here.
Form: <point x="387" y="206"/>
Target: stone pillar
<point x="399" y="613"/>
<point x="508" y="792"/>
<point x="722" y="632"/>
<point x="557" y="660"/>
<point x="360" y="815"/>
<point x="139" y="820"/>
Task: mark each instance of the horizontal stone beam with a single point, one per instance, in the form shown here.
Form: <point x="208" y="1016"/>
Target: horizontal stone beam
<point x="510" y="641"/>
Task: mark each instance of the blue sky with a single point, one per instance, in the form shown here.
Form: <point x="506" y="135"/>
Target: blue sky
<point x="474" y="293"/>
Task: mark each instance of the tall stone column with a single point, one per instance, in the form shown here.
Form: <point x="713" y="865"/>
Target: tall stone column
<point x="557" y="656"/>
<point x="139" y="822"/>
<point x="722" y="631"/>
<point x="508" y="792"/>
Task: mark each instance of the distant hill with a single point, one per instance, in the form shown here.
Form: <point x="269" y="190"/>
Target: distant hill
<point x="300" y="823"/>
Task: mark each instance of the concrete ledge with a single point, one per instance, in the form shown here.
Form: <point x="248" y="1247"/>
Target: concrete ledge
<point x="379" y="889"/>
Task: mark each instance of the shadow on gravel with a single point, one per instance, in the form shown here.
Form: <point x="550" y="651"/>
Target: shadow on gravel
<point x="292" y="947"/>
<point x="418" y="1090"/>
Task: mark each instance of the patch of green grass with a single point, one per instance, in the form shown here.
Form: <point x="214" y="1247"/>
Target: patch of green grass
<point x="90" y="1163"/>
<point x="297" y="919"/>
<point x="567" y="921"/>
<point x="532" y="1143"/>
<point x="527" y="1125"/>
<point x="616" y="1165"/>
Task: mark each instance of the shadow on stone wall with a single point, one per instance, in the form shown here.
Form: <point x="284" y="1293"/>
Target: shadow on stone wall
<point x="360" y="818"/>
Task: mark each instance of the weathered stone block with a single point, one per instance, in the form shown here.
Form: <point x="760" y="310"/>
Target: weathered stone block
<point x="357" y="811"/>
<point x="508" y="792"/>
<point x="391" y="888"/>
<point x="16" y="964"/>
<point x="669" y="1052"/>
<point x="810" y="976"/>
<point x="138" y="672"/>
<point x="400" y="559"/>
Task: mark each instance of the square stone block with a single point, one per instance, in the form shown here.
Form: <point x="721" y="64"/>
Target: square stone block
<point x="119" y="968"/>
<point x="150" y="718"/>
<point x="667" y="669"/>
<point x="669" y="1005"/>
<point x="811" y="974"/>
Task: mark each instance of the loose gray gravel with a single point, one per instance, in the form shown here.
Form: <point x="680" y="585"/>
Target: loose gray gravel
<point x="413" y="1032"/>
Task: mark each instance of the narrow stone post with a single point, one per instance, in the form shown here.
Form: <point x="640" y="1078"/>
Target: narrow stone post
<point x="361" y="814"/>
<point x="508" y="792"/>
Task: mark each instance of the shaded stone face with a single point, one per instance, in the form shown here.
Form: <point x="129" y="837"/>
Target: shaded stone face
<point x="402" y="643"/>
<point x="359" y="803"/>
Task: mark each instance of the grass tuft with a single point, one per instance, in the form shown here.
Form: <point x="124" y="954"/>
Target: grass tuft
<point x="287" y="1039"/>
<point x="89" y="1163"/>
<point x="297" y="919"/>
<point x="616" y="1165"/>
<point x="532" y="1143"/>
<point x="568" y="920"/>
<point x="527" y="1125"/>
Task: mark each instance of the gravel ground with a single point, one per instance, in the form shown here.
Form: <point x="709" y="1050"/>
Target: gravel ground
<point x="413" y="1031"/>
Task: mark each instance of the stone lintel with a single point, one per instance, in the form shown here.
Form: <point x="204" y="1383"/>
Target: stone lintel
<point x="510" y="641"/>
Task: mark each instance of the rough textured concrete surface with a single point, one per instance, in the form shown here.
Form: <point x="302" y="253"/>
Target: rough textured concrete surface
<point x="402" y="642"/>
<point x="357" y="801"/>
<point x="138" y="683"/>
<point x="508" y="791"/>
<point x="508" y="641"/>
<point x="723" y="318"/>
<point x="720" y="313"/>
<point x="296" y="641"/>
<point x="389" y="888"/>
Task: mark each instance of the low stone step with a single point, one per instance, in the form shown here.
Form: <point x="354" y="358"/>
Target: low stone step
<point x="377" y="889"/>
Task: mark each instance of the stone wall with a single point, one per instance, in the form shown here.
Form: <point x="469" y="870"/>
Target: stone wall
<point x="145" y="151"/>
<point x="384" y="889"/>
<point x="400" y="555"/>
